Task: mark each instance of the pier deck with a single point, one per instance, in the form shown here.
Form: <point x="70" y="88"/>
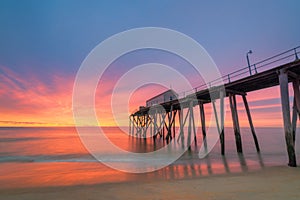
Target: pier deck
<point x="281" y="73"/>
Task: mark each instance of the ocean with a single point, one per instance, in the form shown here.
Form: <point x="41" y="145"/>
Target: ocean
<point x="40" y="157"/>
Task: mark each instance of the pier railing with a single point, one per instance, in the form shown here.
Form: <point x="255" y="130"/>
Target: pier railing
<point x="263" y="65"/>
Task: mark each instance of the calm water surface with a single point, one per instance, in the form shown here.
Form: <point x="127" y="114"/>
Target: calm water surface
<point x="34" y="157"/>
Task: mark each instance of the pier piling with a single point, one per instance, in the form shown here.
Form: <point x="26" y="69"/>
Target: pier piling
<point x="284" y="93"/>
<point x="235" y="121"/>
<point x="251" y="123"/>
<point x="202" y="118"/>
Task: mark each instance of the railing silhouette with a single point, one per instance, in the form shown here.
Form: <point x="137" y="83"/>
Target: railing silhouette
<point x="251" y="70"/>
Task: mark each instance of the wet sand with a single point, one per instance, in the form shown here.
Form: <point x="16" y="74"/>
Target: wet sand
<point x="268" y="183"/>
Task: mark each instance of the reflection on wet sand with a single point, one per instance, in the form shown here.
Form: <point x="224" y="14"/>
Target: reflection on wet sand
<point x="206" y="168"/>
<point x="212" y="164"/>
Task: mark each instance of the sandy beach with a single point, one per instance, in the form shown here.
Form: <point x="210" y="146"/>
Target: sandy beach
<point x="269" y="183"/>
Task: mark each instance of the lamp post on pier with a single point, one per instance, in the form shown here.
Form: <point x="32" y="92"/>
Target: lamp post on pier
<point x="247" y="55"/>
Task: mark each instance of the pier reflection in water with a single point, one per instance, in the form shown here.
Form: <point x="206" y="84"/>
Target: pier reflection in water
<point x="189" y="165"/>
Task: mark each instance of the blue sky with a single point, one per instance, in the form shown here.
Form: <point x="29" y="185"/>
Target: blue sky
<point x="59" y="34"/>
<point x="45" y="39"/>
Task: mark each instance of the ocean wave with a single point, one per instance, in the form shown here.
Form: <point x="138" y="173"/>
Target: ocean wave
<point x="48" y="158"/>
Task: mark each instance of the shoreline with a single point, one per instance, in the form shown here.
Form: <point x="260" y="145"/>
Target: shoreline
<point x="269" y="183"/>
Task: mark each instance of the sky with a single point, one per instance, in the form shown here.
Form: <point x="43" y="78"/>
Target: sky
<point x="43" y="44"/>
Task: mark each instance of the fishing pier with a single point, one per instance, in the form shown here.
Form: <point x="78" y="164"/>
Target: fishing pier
<point x="279" y="70"/>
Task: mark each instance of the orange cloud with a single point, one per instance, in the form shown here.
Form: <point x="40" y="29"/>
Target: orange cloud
<point x="30" y="101"/>
<point x="27" y="101"/>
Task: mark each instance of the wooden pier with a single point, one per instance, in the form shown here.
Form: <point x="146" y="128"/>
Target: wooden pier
<point x="161" y="118"/>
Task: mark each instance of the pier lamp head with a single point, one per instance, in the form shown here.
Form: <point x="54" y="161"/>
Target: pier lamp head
<point x="249" y="52"/>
